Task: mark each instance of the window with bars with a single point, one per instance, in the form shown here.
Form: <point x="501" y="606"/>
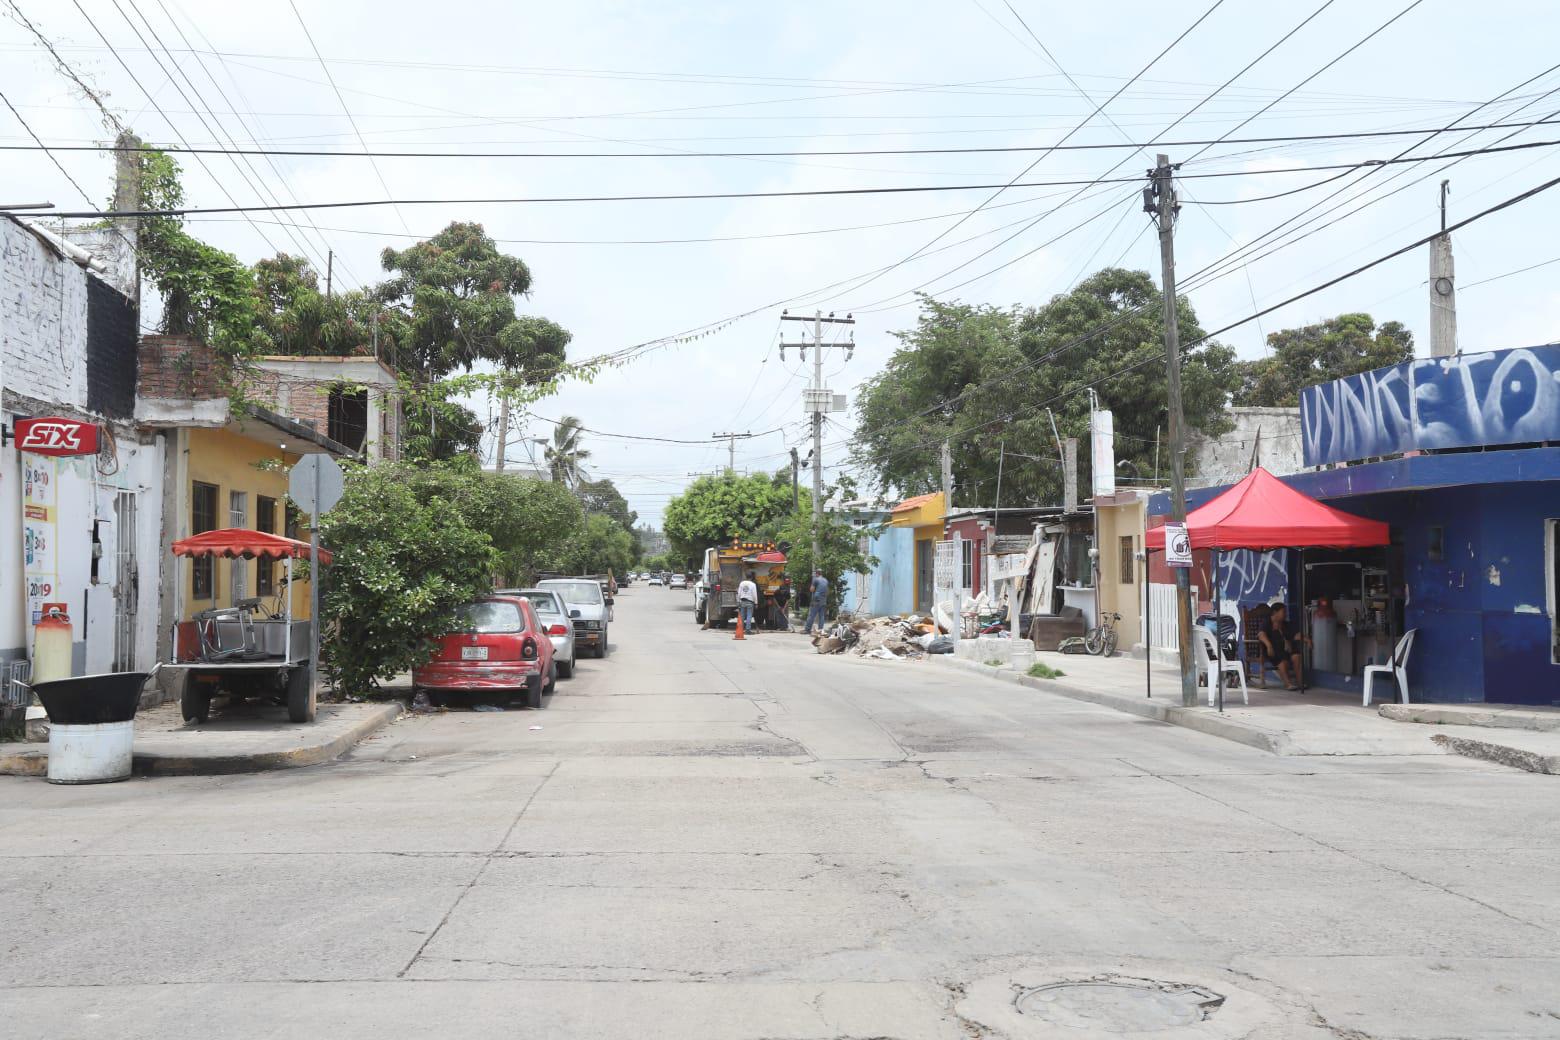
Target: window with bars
<point x="967" y="565"/>
<point x="265" y="570"/>
<point x="1126" y="559"/>
<point x="203" y="518"/>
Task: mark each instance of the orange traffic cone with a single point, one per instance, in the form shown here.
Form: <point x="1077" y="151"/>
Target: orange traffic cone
<point x="739" y="634"/>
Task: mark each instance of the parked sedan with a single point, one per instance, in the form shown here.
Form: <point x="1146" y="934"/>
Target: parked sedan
<point x="554" y="616"/>
<point x="497" y="644"/>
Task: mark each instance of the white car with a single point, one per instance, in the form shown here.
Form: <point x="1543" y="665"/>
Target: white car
<point x="679" y="581"/>
<point x="655" y="579"/>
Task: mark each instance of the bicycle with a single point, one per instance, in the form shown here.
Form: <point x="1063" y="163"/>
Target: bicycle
<point x="1099" y="641"/>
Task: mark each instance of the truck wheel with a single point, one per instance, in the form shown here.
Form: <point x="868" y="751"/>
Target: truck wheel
<point x="194" y="700"/>
<point x="302" y="702"/>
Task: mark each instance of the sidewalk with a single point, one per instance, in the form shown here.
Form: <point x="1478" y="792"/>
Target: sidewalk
<point x="252" y="739"/>
<point x="1318" y="722"/>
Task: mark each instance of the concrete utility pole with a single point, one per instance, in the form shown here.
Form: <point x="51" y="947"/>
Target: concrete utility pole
<point x="503" y="425"/>
<point x="796" y="494"/>
<point x="330" y="269"/>
<point x="947" y="476"/>
<point x="731" y="438"/>
<point x="1443" y="289"/>
<point x="818" y="400"/>
<point x="1159" y="199"/>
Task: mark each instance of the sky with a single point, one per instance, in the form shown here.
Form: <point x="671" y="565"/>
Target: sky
<point x="662" y="80"/>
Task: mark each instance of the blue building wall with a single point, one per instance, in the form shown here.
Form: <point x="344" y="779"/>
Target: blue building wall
<point x="1481" y="610"/>
<point x="890" y="587"/>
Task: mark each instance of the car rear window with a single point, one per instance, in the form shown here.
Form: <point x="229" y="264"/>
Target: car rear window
<point x="577" y="591"/>
<point x="492" y="616"/>
<point x="543" y="602"/>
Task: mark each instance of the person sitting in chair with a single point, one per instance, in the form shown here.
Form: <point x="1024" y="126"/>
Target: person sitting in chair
<point x="1281" y="647"/>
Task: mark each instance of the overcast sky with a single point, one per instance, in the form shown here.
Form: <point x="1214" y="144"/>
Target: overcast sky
<point x="670" y="77"/>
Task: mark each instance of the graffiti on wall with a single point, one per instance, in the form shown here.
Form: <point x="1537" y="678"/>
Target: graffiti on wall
<point x="1248" y="576"/>
<point x="1503" y="397"/>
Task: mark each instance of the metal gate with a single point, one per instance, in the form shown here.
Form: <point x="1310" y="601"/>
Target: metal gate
<point x="127" y="581"/>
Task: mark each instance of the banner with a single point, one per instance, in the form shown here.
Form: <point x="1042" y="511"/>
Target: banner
<point x="1102" y="444"/>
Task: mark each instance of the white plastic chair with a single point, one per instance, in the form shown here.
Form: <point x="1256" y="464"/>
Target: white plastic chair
<point x="1213" y="665"/>
<point x="1398" y="668"/>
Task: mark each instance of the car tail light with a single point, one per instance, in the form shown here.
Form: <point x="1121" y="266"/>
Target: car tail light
<point x="528" y="649"/>
<point x="558" y="630"/>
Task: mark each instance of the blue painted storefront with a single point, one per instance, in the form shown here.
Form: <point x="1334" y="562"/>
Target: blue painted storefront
<point x="1473" y="527"/>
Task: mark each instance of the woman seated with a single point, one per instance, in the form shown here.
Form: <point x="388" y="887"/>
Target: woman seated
<point x="1281" y="647"/>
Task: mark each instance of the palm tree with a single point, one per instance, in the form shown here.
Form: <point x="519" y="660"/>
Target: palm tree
<point x="565" y="456"/>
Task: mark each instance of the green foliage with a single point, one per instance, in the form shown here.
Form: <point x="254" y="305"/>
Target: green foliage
<point x="1000" y="359"/>
<point x="413" y="542"/>
<point x="1319" y="353"/>
<point x="598" y="545"/>
<point x="1041" y="670"/>
<point x="406" y="556"/>
<point x="456" y="293"/>
<point x="714" y="510"/>
<point x="839" y="548"/>
<point x="434" y="427"/>
<point x="294" y="317"/>
<point x="565" y="458"/>
<point x="995" y="662"/>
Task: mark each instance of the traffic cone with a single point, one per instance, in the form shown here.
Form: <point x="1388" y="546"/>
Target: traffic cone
<point x="739" y="634"/>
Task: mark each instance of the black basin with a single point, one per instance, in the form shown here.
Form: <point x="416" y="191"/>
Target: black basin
<point x="88" y="700"/>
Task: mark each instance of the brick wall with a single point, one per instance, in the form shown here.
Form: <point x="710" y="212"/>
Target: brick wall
<point x="178" y="368"/>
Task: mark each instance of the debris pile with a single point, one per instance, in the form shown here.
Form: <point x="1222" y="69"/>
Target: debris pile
<point x="885" y="638"/>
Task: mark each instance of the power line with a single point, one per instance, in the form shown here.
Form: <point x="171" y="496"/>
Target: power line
<point x="336" y="153"/>
<point x="343" y="101"/>
<point x="804" y="193"/>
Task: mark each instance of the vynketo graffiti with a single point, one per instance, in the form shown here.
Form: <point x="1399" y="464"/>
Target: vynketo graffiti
<point x="1473" y="400"/>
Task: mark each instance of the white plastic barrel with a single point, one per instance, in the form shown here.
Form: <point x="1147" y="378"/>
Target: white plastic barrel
<point x="95" y="754"/>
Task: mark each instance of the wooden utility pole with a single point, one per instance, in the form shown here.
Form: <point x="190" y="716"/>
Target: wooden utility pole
<point x="818" y="400"/>
<point x="1443" y="289"/>
<point x="1159" y="199"/>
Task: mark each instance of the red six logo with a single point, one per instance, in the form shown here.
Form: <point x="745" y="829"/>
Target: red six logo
<point x="54" y="435"/>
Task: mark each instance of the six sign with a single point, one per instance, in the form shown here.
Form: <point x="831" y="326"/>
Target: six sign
<point x="54" y="435"/>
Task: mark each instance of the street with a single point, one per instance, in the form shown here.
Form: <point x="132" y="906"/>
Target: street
<point x="712" y="838"/>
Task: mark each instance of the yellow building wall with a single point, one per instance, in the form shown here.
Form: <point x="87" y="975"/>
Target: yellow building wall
<point x="234" y="462"/>
<point x="1118" y="592"/>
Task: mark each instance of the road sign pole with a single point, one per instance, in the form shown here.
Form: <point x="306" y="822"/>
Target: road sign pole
<point x="314" y="585"/>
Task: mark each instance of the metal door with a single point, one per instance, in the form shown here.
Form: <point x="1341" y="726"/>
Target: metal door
<point x="127" y="581"/>
<point x="924" y="573"/>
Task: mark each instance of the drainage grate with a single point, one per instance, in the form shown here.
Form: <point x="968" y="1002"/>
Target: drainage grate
<point x="1119" y="1005"/>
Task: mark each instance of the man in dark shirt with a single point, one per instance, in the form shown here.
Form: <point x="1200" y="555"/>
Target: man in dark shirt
<point x="1280" y="647"/>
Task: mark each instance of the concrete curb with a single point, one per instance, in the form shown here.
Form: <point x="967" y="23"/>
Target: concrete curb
<point x="35" y="762"/>
<point x="1500" y="754"/>
<point x="1271" y="741"/>
<point x="1490" y="717"/>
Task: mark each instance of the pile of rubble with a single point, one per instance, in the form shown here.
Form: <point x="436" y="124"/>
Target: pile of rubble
<point x="886" y="638"/>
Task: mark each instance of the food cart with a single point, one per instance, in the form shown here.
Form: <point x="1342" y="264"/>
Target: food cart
<point x="248" y="649"/>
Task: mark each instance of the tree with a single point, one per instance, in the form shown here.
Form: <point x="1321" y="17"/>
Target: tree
<point x="294" y="317"/>
<point x="602" y="496"/>
<point x="597" y="545"/>
<point x="456" y="293"/>
<point x="714" y="510"/>
<point x="1332" y="349"/>
<point x="988" y="380"/>
<point x="564" y="455"/>
<point x="406" y="557"/>
<point x="839" y="547"/>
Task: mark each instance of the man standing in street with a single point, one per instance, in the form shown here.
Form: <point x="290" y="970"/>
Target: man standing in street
<point x="782" y="606"/>
<point x="747" y="598"/>
<point x="819" y="593"/>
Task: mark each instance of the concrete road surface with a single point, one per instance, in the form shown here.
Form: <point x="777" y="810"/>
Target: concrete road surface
<point x="721" y="839"/>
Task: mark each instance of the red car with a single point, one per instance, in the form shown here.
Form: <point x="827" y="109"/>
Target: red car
<point x="497" y="644"/>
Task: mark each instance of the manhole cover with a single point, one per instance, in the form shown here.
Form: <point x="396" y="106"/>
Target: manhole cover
<point x="1119" y="1005"/>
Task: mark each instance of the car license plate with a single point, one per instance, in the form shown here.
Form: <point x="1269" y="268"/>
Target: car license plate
<point x="473" y="653"/>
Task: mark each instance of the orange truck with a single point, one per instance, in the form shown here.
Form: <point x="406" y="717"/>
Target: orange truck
<point x="715" y="593"/>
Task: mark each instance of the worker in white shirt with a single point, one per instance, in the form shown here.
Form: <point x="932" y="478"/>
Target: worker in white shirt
<point x="747" y="599"/>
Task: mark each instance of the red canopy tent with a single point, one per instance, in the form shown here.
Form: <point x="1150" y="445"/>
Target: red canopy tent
<point x="236" y="542"/>
<point x="1262" y="512"/>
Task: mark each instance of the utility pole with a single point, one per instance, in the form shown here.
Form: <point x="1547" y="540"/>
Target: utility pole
<point x="796" y="495"/>
<point x="946" y="465"/>
<point x="818" y="400"/>
<point x="1443" y="289"/>
<point x="330" y="268"/>
<point x="503" y="422"/>
<point x="1159" y="199"/>
<point x="731" y="439"/>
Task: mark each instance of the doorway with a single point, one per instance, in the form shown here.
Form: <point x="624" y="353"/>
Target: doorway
<point x="127" y="581"/>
